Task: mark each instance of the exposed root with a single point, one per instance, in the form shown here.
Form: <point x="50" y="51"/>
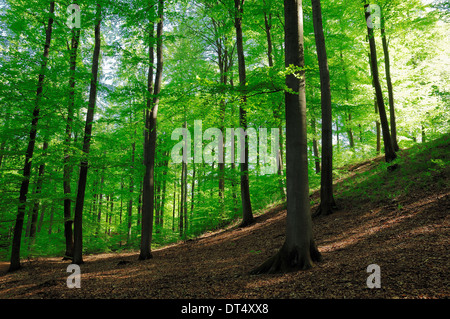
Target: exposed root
<point x="325" y="211"/>
<point x="246" y="223"/>
<point x="145" y="256"/>
<point x="288" y="261"/>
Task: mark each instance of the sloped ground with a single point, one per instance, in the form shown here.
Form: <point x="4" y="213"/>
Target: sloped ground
<point x="406" y="236"/>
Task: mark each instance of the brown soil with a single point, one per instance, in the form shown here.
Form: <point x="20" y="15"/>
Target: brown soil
<point x="407" y="238"/>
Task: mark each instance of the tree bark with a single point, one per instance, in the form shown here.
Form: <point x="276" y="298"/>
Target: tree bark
<point x="299" y="250"/>
<point x="84" y="165"/>
<point x="315" y="147"/>
<point x="247" y="214"/>
<point x="276" y="112"/>
<point x="148" y="191"/>
<point x="15" y="250"/>
<point x="131" y="189"/>
<point x="388" y="147"/>
<point x="387" y="64"/>
<point x="327" y="202"/>
<point x="68" y="221"/>
<point x="35" y="212"/>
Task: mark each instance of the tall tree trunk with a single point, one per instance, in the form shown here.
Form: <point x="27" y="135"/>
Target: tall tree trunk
<point x="174" y="202"/>
<point x="299" y="250"/>
<point x="192" y="189"/>
<point x="35" y="212"/>
<point x="247" y="214"/>
<point x="164" y="187"/>
<point x="131" y="189"/>
<point x="276" y="112"/>
<point x="387" y="64"/>
<point x="378" y="127"/>
<point x="388" y="147"/>
<point x="315" y="147"/>
<point x="350" y="132"/>
<point x="182" y="203"/>
<point x="150" y="141"/>
<point x="327" y="202"/>
<point x="84" y="165"/>
<point x="15" y="250"/>
<point x="377" y="122"/>
<point x="68" y="222"/>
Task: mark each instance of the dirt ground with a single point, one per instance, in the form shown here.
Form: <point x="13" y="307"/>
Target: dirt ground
<point x="407" y="239"/>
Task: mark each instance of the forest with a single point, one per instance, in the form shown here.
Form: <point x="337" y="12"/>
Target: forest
<point x="224" y="148"/>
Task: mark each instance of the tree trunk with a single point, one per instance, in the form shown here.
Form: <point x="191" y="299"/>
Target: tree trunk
<point x="84" y="165"/>
<point x="15" y="250"/>
<point x="35" y="212"/>
<point x="388" y="148"/>
<point x="350" y="132"/>
<point x="68" y="222"/>
<point x="131" y="189"/>
<point x="387" y="64"/>
<point x="327" y="202"/>
<point x="150" y="140"/>
<point x="247" y="214"/>
<point x="192" y="189"/>
<point x="276" y="113"/>
<point x="315" y="147"/>
<point x="299" y="250"/>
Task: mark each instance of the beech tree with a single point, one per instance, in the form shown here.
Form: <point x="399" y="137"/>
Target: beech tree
<point x="299" y="250"/>
<point x="148" y="193"/>
<point x="247" y="213"/>
<point x="388" y="147"/>
<point x="327" y="202"/>
<point x="15" y="250"/>
<point x="84" y="165"/>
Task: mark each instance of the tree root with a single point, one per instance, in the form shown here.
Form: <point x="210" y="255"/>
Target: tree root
<point x="246" y="223"/>
<point x="145" y="256"/>
<point x="285" y="261"/>
<point x="325" y="211"/>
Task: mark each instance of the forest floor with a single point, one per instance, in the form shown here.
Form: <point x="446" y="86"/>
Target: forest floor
<point x="407" y="236"/>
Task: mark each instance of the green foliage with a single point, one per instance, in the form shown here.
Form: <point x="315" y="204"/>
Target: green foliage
<point x="196" y="31"/>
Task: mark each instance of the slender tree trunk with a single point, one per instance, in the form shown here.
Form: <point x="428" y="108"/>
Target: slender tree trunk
<point x="15" y="250"/>
<point x="100" y="205"/>
<point x="247" y="214"/>
<point x="150" y="141"/>
<point x="387" y="64"/>
<point x="327" y="202"/>
<point x="350" y="132"/>
<point x="131" y="190"/>
<point x="182" y="203"/>
<point x="276" y="113"/>
<point x="338" y="144"/>
<point x="174" y="203"/>
<point x="378" y="127"/>
<point x="192" y="189"/>
<point x="35" y="212"/>
<point x="315" y="147"/>
<point x="50" y="223"/>
<point x="84" y="165"/>
<point x="388" y="148"/>
<point x="299" y="250"/>
<point x="164" y="184"/>
<point x="68" y="222"/>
